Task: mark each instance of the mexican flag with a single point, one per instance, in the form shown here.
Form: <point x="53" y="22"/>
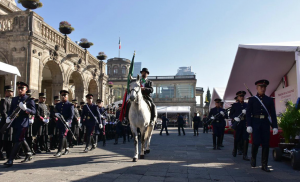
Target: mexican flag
<point x="119" y="43"/>
<point x="125" y="97"/>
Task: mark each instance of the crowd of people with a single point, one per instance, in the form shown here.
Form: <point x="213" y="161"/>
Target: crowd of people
<point x="30" y="127"/>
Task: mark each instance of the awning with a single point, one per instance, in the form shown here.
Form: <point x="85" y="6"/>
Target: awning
<point x="218" y="92"/>
<point x="261" y="61"/>
<point x="8" y="69"/>
<point x="173" y="109"/>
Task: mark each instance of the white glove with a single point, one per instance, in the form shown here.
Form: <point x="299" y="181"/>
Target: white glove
<point x="275" y="131"/>
<point x="237" y="119"/>
<point x="244" y="111"/>
<point x="212" y="118"/>
<point x="100" y="126"/>
<point x="79" y="120"/>
<point x="46" y="120"/>
<point x="22" y="106"/>
<point x="249" y="129"/>
<point x="8" y="120"/>
<point x="31" y="120"/>
<point x="57" y="115"/>
<point x="221" y="112"/>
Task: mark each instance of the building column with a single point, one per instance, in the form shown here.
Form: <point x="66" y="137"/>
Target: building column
<point x="201" y="100"/>
<point x="175" y="85"/>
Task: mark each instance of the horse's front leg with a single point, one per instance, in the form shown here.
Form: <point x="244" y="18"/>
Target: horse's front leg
<point x="149" y="139"/>
<point x="136" y="144"/>
<point x="142" y="156"/>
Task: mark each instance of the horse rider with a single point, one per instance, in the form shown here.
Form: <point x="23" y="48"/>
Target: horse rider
<point x="147" y="89"/>
<point x="20" y="123"/>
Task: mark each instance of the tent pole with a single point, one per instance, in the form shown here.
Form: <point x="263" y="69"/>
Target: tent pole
<point x="15" y="85"/>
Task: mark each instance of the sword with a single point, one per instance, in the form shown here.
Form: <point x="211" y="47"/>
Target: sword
<point x="248" y="90"/>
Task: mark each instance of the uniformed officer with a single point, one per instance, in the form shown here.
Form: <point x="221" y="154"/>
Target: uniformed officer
<point x="90" y="118"/>
<point x="75" y="124"/>
<point x="218" y="115"/>
<point x="6" y="138"/>
<point x="83" y="128"/>
<point x="65" y="110"/>
<point x="42" y="120"/>
<point x="20" y="123"/>
<point x="165" y="121"/>
<point x="261" y="115"/>
<point x="104" y="121"/>
<point x="147" y="89"/>
<point x="223" y="125"/>
<point x="205" y="124"/>
<point x="29" y="133"/>
<point x="180" y="123"/>
<point x="53" y="133"/>
<point x="237" y="114"/>
<point x="196" y="121"/>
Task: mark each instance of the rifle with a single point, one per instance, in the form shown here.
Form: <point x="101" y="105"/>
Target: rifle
<point x="62" y="119"/>
<point x="248" y="90"/>
<point x="13" y="115"/>
<point x="210" y="121"/>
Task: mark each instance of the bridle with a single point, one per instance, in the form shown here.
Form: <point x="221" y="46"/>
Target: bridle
<point x="136" y="91"/>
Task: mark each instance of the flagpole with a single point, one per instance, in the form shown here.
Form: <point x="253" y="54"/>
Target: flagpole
<point x="119" y="47"/>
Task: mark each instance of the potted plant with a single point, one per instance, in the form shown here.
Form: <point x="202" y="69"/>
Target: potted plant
<point x="84" y="43"/>
<point x="110" y="84"/>
<point x="101" y="56"/>
<point x="31" y="4"/>
<point x="65" y="28"/>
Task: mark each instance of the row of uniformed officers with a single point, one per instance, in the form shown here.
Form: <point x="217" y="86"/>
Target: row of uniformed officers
<point x="256" y="117"/>
<point x="35" y="122"/>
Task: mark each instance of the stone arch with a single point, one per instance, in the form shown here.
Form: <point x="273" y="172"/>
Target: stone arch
<point x="77" y="81"/>
<point x="51" y="79"/>
<point x="93" y="88"/>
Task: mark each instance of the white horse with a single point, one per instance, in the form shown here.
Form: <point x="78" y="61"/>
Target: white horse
<point x="139" y="116"/>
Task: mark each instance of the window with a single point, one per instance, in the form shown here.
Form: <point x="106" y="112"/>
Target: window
<point x="124" y="70"/>
<point x="115" y="70"/>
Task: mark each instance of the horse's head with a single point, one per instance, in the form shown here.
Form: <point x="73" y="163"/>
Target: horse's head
<point x="135" y="89"/>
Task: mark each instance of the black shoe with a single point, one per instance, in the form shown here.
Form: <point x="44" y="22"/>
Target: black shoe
<point x="86" y="150"/>
<point x="17" y="157"/>
<point x="265" y="168"/>
<point x="93" y="147"/>
<point x="9" y="163"/>
<point x="71" y="146"/>
<point x="33" y="153"/>
<point x="38" y="151"/>
<point x="66" y="151"/>
<point x="27" y="158"/>
<point x="48" y="150"/>
<point x="58" y="154"/>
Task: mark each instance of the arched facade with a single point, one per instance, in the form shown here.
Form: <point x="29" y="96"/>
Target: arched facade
<point x="93" y="88"/>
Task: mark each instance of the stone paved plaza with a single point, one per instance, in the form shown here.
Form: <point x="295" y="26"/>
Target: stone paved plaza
<point x="172" y="158"/>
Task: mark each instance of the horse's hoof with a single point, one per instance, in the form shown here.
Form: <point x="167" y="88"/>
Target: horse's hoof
<point x="147" y="151"/>
<point x="142" y="157"/>
<point x="134" y="160"/>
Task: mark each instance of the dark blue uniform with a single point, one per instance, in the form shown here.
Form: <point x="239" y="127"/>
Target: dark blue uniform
<point x="180" y="122"/>
<point x="21" y="122"/>
<point x="261" y="126"/>
<point x="66" y="109"/>
<point x="235" y="111"/>
<point x="218" y="124"/>
<point x="196" y="121"/>
<point x="165" y="121"/>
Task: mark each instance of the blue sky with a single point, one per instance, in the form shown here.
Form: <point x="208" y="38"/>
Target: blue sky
<point x="168" y="34"/>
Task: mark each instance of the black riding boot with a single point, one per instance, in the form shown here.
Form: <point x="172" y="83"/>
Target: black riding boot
<point x="254" y="151"/>
<point x="88" y="140"/>
<point x="214" y="141"/>
<point x="38" y="145"/>
<point x="46" y="144"/>
<point x="93" y="142"/>
<point x="27" y="151"/>
<point x="245" y="148"/>
<point x="219" y="142"/>
<point x="153" y="113"/>
<point x="66" y="146"/>
<point x="116" y="139"/>
<point x="234" y="152"/>
<point x="264" y="159"/>
<point x="104" y="140"/>
<point x="125" y="121"/>
<point x="13" y="154"/>
<point x="60" y="147"/>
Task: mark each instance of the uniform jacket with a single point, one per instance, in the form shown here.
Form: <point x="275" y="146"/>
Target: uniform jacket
<point x="255" y="108"/>
<point x="41" y="111"/>
<point x="22" y="120"/>
<point x="180" y="120"/>
<point x="237" y="109"/>
<point x="66" y="109"/>
<point x="196" y="120"/>
<point x="4" y="108"/>
<point x="221" y="119"/>
<point x="88" y="117"/>
<point x="148" y="88"/>
<point x="165" y="120"/>
<point x="76" y="117"/>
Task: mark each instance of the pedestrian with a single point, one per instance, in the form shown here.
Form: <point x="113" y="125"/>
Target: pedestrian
<point x="52" y="125"/>
<point x="6" y="138"/>
<point x="29" y="132"/>
<point x="261" y="115"/>
<point x="223" y="125"/>
<point x="205" y="124"/>
<point x="180" y="123"/>
<point x="164" y="125"/>
<point x="75" y="124"/>
<point x="64" y="111"/>
<point x="90" y="118"/>
<point x="20" y="123"/>
<point x="237" y="114"/>
<point x="196" y="122"/>
<point x="217" y="115"/>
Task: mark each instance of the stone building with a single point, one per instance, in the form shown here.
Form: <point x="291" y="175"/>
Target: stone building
<point x="47" y="59"/>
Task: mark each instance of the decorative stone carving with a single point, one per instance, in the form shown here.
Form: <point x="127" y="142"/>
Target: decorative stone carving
<point x="53" y="55"/>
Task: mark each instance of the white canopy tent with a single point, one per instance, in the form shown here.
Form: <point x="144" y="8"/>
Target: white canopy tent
<point x="9" y="69"/>
<point x="218" y="92"/>
<point x="174" y="109"/>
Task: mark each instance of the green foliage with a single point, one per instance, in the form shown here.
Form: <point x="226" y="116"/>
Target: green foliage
<point x="289" y="121"/>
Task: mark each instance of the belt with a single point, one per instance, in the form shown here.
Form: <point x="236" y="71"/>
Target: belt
<point x="260" y="116"/>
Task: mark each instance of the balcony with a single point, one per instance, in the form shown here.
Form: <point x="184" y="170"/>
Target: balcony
<point x="174" y="99"/>
<point x="157" y="78"/>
